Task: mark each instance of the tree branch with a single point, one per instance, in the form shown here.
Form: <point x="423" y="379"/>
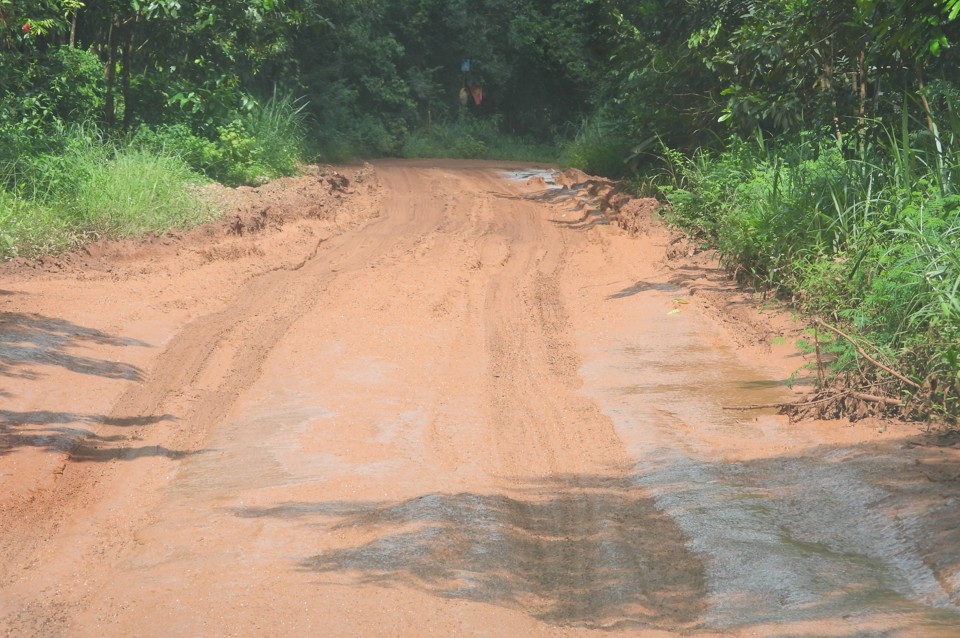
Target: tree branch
<point x="864" y="354"/>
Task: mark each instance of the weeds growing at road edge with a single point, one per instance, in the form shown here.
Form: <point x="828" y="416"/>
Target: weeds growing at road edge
<point x="470" y="137"/>
<point x="82" y="187"/>
<point x="261" y="144"/>
<point x="598" y="148"/>
<point x="866" y="239"/>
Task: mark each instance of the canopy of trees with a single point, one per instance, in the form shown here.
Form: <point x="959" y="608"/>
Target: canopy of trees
<point x="369" y="70"/>
<point x="372" y="70"/>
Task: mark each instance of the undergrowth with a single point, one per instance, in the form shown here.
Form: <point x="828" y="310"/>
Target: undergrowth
<point x="866" y="239"/>
<point x="82" y="187"/>
<point x="469" y="137"/>
<point x="262" y="143"/>
<point x="62" y="185"/>
<point x="598" y="148"/>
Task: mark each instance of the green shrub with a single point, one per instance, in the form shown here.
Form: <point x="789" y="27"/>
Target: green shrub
<point x="62" y="84"/>
<point x="53" y="201"/>
<point x="28" y="229"/>
<point x="471" y="137"/>
<point x="264" y="143"/>
<point x="867" y="242"/>
<point x="278" y="126"/>
<point x="135" y="191"/>
<point x="599" y="148"/>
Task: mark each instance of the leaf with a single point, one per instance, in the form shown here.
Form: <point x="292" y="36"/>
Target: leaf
<point x="675" y="311"/>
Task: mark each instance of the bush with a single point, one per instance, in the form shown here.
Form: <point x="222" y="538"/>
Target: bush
<point x="599" y="148"/>
<point x="851" y="240"/>
<point x="134" y="191"/>
<point x="470" y="137"/>
<point x="264" y="143"/>
<point x="63" y="84"/>
<point x="90" y="188"/>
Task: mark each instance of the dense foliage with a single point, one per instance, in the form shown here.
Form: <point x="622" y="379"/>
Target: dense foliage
<point x="813" y="141"/>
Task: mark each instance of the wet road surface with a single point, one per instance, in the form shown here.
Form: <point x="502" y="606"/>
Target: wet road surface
<point x="479" y="414"/>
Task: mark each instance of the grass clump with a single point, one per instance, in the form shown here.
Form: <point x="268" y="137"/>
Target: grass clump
<point x="470" y="137"/>
<point x="261" y="144"/>
<point x="865" y="240"/>
<point x="82" y="187"/>
<point x="133" y="191"/>
<point x="599" y="148"/>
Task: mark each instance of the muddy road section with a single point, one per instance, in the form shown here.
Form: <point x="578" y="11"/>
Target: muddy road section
<point x="440" y="399"/>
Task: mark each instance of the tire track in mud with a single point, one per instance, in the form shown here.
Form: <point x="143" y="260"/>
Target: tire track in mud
<point x="191" y="387"/>
<point x="401" y="444"/>
<point x="595" y="551"/>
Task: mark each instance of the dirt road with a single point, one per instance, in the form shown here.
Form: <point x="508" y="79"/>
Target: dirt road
<point x="441" y="403"/>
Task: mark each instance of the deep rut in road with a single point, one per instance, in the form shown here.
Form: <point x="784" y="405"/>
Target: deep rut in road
<point x="481" y="411"/>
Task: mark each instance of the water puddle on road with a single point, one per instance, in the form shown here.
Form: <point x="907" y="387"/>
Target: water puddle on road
<point x="548" y="176"/>
<point x="789" y="532"/>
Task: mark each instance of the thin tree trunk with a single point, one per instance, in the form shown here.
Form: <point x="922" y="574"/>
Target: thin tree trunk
<point x="931" y="124"/>
<point x="127" y="65"/>
<point x="73" y="29"/>
<point x="110" y="113"/>
<point x="862" y="107"/>
<point x="826" y="85"/>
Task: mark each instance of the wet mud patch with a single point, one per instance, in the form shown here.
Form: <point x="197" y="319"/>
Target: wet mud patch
<point x="534" y="177"/>
<point x="598" y="555"/>
<point x="821" y="535"/>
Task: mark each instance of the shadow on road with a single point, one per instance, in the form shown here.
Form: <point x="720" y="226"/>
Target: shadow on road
<point x="29" y="340"/>
<point x="594" y="554"/>
<point x="601" y="553"/>
<point x="643" y="286"/>
<point x="65" y="432"/>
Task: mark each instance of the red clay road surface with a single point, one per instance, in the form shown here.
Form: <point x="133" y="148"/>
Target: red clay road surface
<point x="436" y="401"/>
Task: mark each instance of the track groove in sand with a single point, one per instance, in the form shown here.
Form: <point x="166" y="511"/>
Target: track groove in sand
<point x="458" y="418"/>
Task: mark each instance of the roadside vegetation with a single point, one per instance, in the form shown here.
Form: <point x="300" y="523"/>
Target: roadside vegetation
<point x="868" y="245"/>
<point x="813" y="143"/>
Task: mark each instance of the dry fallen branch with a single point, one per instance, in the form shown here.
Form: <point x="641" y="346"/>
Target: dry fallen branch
<point x="781" y="406"/>
<point x="863" y="396"/>
<point x="873" y="398"/>
<point x="864" y="354"/>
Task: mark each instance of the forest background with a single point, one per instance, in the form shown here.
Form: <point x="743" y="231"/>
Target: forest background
<point x="814" y="143"/>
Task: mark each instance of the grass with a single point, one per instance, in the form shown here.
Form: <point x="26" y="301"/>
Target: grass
<point x="864" y="238"/>
<point x="85" y="188"/>
<point x="470" y="137"/>
<point x="66" y="184"/>
<point x="134" y="192"/>
<point x="598" y="148"/>
<point x="261" y="144"/>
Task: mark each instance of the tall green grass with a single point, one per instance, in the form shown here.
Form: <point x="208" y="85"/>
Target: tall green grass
<point x="868" y="239"/>
<point x="61" y="185"/>
<point x="599" y="148"/>
<point x="86" y="187"/>
<point x="261" y="144"/>
<point x="469" y="137"/>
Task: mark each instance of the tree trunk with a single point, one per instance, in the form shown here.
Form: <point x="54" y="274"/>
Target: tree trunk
<point x="931" y="125"/>
<point x="127" y="65"/>
<point x="862" y="95"/>
<point x="110" y="112"/>
<point x="73" y="29"/>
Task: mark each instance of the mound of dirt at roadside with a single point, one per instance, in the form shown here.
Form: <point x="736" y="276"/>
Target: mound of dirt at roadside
<point x="635" y="215"/>
<point x="320" y="193"/>
<point x="752" y="324"/>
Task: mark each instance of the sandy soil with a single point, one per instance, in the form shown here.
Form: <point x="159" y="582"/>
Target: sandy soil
<point x="441" y="399"/>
